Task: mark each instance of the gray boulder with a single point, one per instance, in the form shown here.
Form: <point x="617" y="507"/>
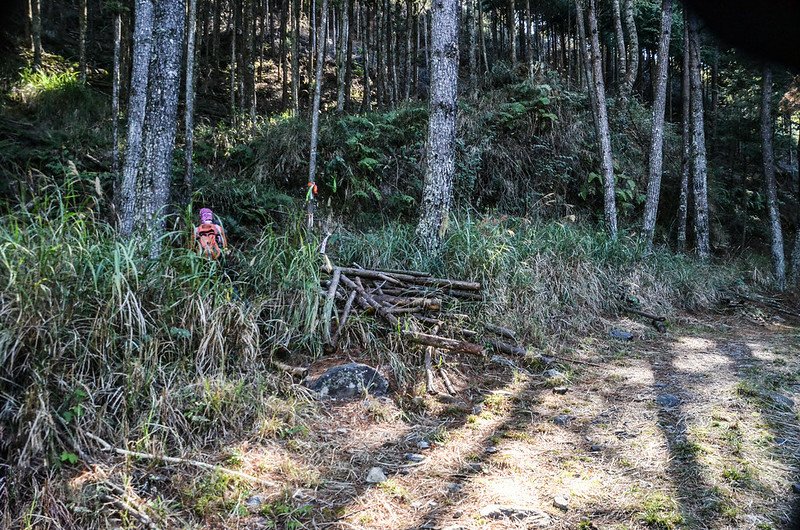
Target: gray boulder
<point x="350" y="381"/>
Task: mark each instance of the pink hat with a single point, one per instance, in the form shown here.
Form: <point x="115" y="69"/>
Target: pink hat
<point x="206" y="215"/>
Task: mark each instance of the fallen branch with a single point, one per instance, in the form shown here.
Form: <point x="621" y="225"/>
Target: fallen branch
<point x="123" y="506"/>
<point x="443" y="342"/>
<point x="346" y="313"/>
<point x="645" y="315"/>
<point x="105" y="446"/>
<point x="368" y="299"/>
<point x="511" y="364"/>
<point x="297" y="371"/>
<point x="500" y="330"/>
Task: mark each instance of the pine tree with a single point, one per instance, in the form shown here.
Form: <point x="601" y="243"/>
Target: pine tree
<point x="778" y="261"/>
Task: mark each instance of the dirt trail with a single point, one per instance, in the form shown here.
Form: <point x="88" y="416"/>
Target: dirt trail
<point x="697" y="428"/>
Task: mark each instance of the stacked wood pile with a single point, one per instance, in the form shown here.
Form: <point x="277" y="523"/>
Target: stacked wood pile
<point x="414" y="304"/>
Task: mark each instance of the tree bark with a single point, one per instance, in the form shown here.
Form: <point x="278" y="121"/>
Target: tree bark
<point x="366" y="102"/>
<point x="657" y="135"/>
<point x="683" y="202"/>
<point x="603" y="133"/>
<point x="233" y="65"/>
<point x="137" y="104"/>
<point x="36" y="31"/>
<point x="778" y="261"/>
<point x="632" y="65"/>
<point x="440" y="168"/>
<point x="312" y="161"/>
<point x="189" y="99"/>
<point x="619" y="38"/>
<point x="283" y="55"/>
<point x="83" y="15"/>
<point x="161" y="115"/>
<point x="698" y="148"/>
<point x="348" y="69"/>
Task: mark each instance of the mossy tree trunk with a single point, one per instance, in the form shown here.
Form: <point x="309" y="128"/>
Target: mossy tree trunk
<point x="619" y="40"/>
<point x="83" y="15"/>
<point x="188" y="176"/>
<point x="312" y="161"/>
<point x="632" y="64"/>
<point x="683" y="201"/>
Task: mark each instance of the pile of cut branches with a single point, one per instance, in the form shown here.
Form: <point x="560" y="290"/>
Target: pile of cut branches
<point x="412" y="303"/>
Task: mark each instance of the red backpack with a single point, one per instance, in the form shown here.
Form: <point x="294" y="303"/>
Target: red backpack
<point x="208" y="239"/>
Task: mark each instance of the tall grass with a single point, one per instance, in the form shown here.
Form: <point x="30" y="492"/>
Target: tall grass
<point x="164" y="355"/>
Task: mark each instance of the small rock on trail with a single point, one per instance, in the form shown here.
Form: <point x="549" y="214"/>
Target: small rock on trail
<point x="531" y="516"/>
<point x="668" y="401"/>
<point x="620" y="334"/>
<point x="376" y="476"/>
<point x="349" y="381"/>
<point x="561" y="502"/>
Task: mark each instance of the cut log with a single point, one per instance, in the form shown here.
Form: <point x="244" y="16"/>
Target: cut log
<point x="399" y="278"/>
<point x="443" y="342"/>
<point x="433" y="304"/>
<point x="297" y="371"/>
<point x="368" y="300"/>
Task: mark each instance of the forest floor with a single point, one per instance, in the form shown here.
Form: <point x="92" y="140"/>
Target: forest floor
<point x="695" y="428"/>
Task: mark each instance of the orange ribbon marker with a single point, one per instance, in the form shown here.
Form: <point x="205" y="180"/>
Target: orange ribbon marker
<point x="313" y="187"/>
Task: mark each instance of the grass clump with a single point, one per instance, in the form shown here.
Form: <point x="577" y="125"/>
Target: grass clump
<point x="661" y="512"/>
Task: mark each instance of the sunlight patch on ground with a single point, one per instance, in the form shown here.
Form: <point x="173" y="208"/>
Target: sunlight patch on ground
<point x="760" y="352"/>
<point x="708" y="363"/>
<point x="696" y="343"/>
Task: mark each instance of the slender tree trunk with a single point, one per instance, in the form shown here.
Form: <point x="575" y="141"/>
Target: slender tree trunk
<point x="683" y="202"/>
<point x="511" y="30"/>
<point x="657" y="134"/>
<point x="698" y="152"/>
<point x="603" y="133"/>
<point x="137" y="105"/>
<point x="233" y="65"/>
<point x="283" y="54"/>
<point x="36" y="30"/>
<point x="250" y="58"/>
<point x="482" y="38"/>
<point x="620" y="42"/>
<point x="473" y="44"/>
<point x="341" y="67"/>
<point x="312" y="161"/>
<point x="632" y="64"/>
<point x="348" y="69"/>
<point x="440" y="168"/>
<point x="83" y="16"/>
<point x="427" y="37"/>
<point x="216" y="30"/>
<point x="366" y="102"/>
<point x="407" y="65"/>
<point x="189" y="99"/>
<point x="115" y="102"/>
<point x="778" y="261"/>
<point x="296" y="57"/>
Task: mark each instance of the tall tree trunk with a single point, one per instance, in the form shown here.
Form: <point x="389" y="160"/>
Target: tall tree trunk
<point x="115" y="78"/>
<point x="296" y="57"/>
<point x="189" y="99"/>
<point x="348" y="58"/>
<point x="283" y="55"/>
<point x="366" y="102"/>
<point x="233" y="65"/>
<point x="698" y="152"/>
<point x="657" y="131"/>
<point x="137" y="105"/>
<point x="683" y="202"/>
<point x="250" y="58"/>
<point x="778" y="261"/>
<point x="312" y="161"/>
<point x="440" y="167"/>
<point x="620" y="42"/>
<point x="632" y="65"/>
<point x="482" y="38"/>
<point x="473" y="44"/>
<point x="511" y="30"/>
<point x="83" y="15"/>
<point x="216" y="30"/>
<point x="407" y="65"/>
<point x="603" y="133"/>
<point x="161" y="115"/>
<point x="341" y="66"/>
<point x="36" y="30"/>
